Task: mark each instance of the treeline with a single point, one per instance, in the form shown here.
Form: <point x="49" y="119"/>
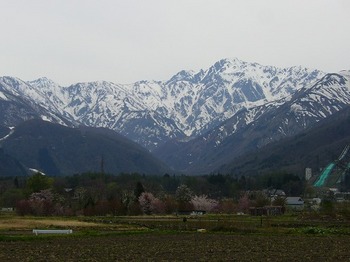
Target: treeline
<point x="134" y="194"/>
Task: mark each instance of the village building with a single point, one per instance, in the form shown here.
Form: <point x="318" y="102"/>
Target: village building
<point x="295" y="203"/>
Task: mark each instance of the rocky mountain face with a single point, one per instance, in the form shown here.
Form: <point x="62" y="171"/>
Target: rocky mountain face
<point x="154" y="112"/>
<point x="253" y="128"/>
<point x="20" y="101"/>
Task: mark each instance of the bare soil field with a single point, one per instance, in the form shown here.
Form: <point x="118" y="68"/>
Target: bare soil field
<point x="228" y="238"/>
<point x="178" y="247"/>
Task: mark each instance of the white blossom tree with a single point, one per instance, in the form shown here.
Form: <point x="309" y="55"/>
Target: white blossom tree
<point x="183" y="197"/>
<point x="204" y="203"/>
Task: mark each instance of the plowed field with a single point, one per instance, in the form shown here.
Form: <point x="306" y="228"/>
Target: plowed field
<point x="193" y="246"/>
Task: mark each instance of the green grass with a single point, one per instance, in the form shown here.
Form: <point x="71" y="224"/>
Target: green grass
<point x="19" y="228"/>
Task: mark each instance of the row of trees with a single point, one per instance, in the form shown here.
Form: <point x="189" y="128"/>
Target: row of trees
<point x="134" y="194"/>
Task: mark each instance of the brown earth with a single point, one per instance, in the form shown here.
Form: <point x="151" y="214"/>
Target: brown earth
<point x="179" y="247"/>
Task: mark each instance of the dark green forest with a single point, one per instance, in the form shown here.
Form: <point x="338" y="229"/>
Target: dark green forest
<point x="134" y="194"/>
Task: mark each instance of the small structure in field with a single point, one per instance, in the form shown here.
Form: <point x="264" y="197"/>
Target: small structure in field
<point x="266" y="211"/>
<point x="198" y="212"/>
<point x="7" y="209"/>
<point x="52" y="231"/>
<point x="295" y="203"/>
<point x="191" y="213"/>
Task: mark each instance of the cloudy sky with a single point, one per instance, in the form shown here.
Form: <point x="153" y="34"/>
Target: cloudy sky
<point x="124" y="41"/>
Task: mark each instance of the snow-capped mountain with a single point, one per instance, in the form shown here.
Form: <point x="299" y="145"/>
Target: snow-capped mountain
<point x="153" y="112"/>
<point x="200" y="101"/>
<point x="20" y="101"/>
<point x="255" y="127"/>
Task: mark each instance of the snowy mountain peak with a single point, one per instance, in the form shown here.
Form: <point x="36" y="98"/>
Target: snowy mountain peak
<point x="11" y="81"/>
<point x="189" y="104"/>
<point x="43" y="80"/>
<point x="43" y="83"/>
<point x="229" y="62"/>
<point x="183" y="75"/>
<point x="345" y="73"/>
<point x="330" y="81"/>
<point x="226" y="66"/>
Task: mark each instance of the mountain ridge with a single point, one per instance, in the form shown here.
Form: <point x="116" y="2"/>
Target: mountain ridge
<point x="195" y="121"/>
<point x="185" y="106"/>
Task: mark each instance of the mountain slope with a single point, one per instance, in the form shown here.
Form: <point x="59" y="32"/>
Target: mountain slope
<point x="253" y="128"/>
<point x="9" y="166"/>
<point x="59" y="150"/>
<point x="314" y="147"/>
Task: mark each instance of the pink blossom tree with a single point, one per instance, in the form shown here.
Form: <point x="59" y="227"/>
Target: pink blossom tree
<point x="243" y="204"/>
<point x="227" y="206"/>
<point x="41" y="202"/>
<point x="150" y="204"/>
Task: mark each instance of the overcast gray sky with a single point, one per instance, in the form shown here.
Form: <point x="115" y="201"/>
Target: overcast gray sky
<point x="125" y="41"/>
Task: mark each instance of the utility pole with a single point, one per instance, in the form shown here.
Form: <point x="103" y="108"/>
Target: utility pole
<point x="102" y="165"/>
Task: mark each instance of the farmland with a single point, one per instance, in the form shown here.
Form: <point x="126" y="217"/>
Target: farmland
<point x="225" y="238"/>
